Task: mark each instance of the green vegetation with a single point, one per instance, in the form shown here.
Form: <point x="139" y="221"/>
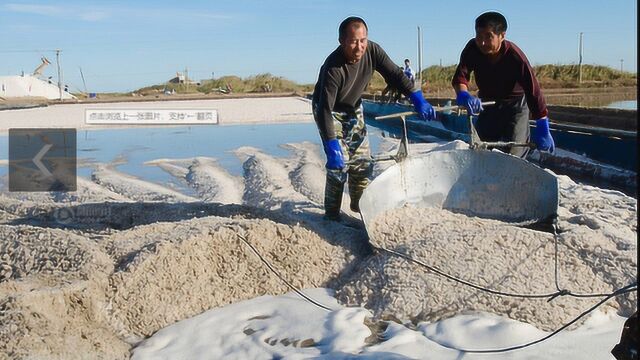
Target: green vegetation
<point x="178" y="88"/>
<point x="261" y="83"/>
<point x="254" y="84"/>
<point x="435" y="79"/>
<point x="566" y="76"/>
<point x="550" y="76"/>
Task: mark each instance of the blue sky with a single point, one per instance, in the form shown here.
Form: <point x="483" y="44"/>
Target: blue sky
<point x="122" y="46"/>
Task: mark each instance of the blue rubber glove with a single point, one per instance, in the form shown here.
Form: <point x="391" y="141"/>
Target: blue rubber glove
<point x="472" y="103"/>
<point x="542" y="136"/>
<point x="335" y="160"/>
<point x="423" y="108"/>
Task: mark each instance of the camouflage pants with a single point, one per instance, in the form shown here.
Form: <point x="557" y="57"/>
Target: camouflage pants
<point x="351" y="131"/>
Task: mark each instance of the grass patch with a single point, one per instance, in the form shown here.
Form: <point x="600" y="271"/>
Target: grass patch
<point x="434" y="79"/>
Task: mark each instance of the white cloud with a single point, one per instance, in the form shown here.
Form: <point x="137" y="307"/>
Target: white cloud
<point x="208" y="15"/>
<point x="173" y="14"/>
<point x="34" y="9"/>
<point x="94" y="15"/>
<point x="84" y="14"/>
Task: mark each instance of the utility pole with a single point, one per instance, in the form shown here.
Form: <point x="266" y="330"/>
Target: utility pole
<point x="59" y="76"/>
<point x="83" y="82"/>
<point x="580" y="61"/>
<point x="186" y="79"/>
<point x="440" y="62"/>
<point x="621" y="61"/>
<point x="419" y="57"/>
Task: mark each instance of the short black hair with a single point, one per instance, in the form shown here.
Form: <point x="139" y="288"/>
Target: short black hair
<point x="348" y="21"/>
<point x="496" y="21"/>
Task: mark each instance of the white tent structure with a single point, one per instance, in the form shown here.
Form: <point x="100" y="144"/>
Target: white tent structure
<point x="29" y="86"/>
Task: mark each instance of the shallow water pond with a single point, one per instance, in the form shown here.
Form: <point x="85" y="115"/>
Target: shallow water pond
<point x="130" y="148"/>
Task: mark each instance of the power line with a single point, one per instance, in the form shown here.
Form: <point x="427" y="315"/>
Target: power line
<point x="28" y="51"/>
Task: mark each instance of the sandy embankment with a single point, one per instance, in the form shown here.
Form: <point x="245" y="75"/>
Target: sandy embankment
<point x="139" y="256"/>
<point x="230" y="111"/>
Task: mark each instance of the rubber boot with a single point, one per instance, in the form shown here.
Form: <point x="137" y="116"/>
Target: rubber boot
<point x="333" y="190"/>
<point x="357" y="184"/>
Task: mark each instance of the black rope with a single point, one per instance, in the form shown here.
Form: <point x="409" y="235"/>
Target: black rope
<point x="280" y="276"/>
<point x="624" y="290"/>
<point x="467" y="283"/>
<point x="550" y="296"/>
<point x="555" y="262"/>
<point x="565" y="292"/>
<point x="560" y="292"/>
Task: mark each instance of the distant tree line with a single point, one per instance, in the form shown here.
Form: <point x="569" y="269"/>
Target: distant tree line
<point x="550" y="76"/>
<point x="261" y="83"/>
<point x="434" y="78"/>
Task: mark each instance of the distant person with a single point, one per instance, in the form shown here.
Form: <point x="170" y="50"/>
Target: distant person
<point x="503" y="74"/>
<point x="337" y="110"/>
<point x="408" y="71"/>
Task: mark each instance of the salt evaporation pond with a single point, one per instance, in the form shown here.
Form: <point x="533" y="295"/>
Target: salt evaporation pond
<point x="130" y="148"/>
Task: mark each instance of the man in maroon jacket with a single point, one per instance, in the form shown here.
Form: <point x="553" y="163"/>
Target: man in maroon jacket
<point x="503" y="74"/>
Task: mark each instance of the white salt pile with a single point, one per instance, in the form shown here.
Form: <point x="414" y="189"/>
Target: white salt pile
<point x="89" y="274"/>
<point x="115" y="271"/>
<point x="288" y="327"/>
<point x="493" y="255"/>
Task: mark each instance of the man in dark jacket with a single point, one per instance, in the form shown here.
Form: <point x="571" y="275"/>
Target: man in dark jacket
<point x="337" y="110"/>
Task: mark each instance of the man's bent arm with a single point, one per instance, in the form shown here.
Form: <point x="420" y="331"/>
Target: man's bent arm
<point x="326" y="102"/>
<point x="393" y="75"/>
<point x="532" y="92"/>
<point x="462" y="76"/>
